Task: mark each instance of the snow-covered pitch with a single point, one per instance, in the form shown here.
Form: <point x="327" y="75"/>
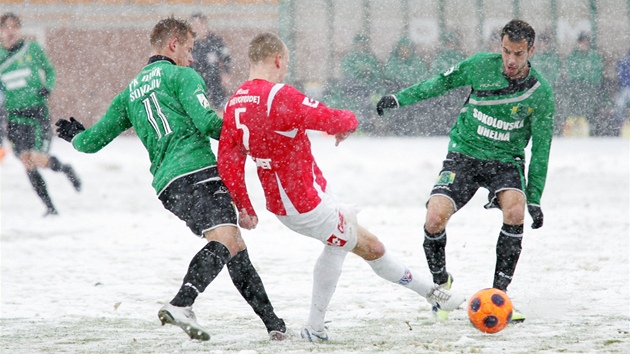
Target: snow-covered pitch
<point x="93" y="279"/>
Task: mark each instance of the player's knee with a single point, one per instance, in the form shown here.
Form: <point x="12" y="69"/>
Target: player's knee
<point x="439" y="211"/>
<point x="369" y="247"/>
<point x="514" y="214"/>
<point x="377" y="249"/>
<point x="435" y="222"/>
<point x="228" y="236"/>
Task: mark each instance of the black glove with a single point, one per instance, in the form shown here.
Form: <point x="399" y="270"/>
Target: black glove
<point x="44" y="92"/>
<point x="388" y="101"/>
<point x="67" y="129"/>
<point x="536" y="214"/>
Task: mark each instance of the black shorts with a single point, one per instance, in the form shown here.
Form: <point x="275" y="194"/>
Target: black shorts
<point x="462" y="176"/>
<point x="29" y="129"/>
<point x="201" y="200"/>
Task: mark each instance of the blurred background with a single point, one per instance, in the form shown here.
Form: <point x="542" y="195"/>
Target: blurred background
<point x="348" y="53"/>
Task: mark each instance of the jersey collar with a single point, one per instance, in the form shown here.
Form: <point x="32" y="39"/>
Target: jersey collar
<point x="17" y="46"/>
<point x="155" y="58"/>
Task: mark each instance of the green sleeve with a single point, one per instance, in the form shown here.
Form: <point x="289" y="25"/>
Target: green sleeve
<point x="113" y="123"/>
<point x="454" y="77"/>
<point x="542" y="133"/>
<point x="45" y="65"/>
<point x="191" y="92"/>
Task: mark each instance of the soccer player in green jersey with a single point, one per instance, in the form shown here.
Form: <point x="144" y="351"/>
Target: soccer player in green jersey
<point x="26" y="79"/>
<point x="167" y="106"/>
<point x="510" y="103"/>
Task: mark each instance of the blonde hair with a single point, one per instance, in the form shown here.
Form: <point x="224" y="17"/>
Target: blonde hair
<point x="265" y="45"/>
<point x="168" y="28"/>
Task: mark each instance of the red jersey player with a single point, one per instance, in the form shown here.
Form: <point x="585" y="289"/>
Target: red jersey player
<point x="267" y="120"/>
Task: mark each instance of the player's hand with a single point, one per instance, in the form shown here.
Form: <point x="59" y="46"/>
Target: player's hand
<point x="537" y="215"/>
<point x="67" y="129"/>
<point x="3" y="152"/>
<point x="341" y="137"/>
<point x="246" y="221"/>
<point x="388" y="101"/>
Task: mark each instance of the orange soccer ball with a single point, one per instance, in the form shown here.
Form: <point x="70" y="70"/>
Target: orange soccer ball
<point x="490" y="310"/>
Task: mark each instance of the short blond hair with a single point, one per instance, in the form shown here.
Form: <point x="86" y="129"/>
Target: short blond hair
<point x="168" y="28"/>
<point x="265" y="45"/>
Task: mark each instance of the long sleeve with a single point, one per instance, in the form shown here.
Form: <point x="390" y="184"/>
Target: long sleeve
<point x="452" y="78"/>
<point x="231" y="163"/>
<point x="47" y="70"/>
<point x="542" y="133"/>
<point x="310" y="114"/>
<point x="113" y="123"/>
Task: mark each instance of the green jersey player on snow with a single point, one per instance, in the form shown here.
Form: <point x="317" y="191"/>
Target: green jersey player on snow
<point x="26" y="80"/>
<point x="510" y="103"/>
<point x="166" y="105"/>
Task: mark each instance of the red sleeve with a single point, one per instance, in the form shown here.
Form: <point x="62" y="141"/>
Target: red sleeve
<point x="311" y="114"/>
<point x="231" y="164"/>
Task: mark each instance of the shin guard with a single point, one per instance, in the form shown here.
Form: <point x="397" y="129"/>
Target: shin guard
<point x="434" y="249"/>
<point x="508" y="253"/>
<point x="248" y="282"/>
<point x="203" y="268"/>
<point x="40" y="188"/>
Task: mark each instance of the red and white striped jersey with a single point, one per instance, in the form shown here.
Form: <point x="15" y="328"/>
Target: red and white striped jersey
<point x="268" y="122"/>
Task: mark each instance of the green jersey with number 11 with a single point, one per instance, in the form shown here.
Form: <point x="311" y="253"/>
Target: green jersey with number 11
<point x="500" y="116"/>
<point x="166" y="104"/>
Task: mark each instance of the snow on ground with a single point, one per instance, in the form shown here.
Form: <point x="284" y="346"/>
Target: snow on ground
<point x="92" y="279"/>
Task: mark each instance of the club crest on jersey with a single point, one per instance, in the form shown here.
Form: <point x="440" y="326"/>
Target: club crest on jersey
<point x="203" y="101"/>
<point x="520" y="112"/>
<point x="309" y="102"/>
<point x="407" y="277"/>
<point x="446" y="177"/>
<point x="335" y="241"/>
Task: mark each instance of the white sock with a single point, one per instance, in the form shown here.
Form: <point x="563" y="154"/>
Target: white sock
<point x="391" y="268"/>
<point x="325" y="276"/>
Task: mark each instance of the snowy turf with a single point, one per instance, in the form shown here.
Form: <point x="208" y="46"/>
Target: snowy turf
<point x="93" y="279"/>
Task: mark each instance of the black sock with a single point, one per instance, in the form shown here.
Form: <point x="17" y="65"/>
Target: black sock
<point x="203" y="268"/>
<point x="434" y="245"/>
<point x="248" y="282"/>
<point x="40" y="188"/>
<point x="54" y="164"/>
<point x="508" y="252"/>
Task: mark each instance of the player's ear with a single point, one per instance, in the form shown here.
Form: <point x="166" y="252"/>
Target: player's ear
<point x="278" y="60"/>
<point x="173" y="42"/>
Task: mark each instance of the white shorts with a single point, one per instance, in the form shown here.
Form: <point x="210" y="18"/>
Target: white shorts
<point x="331" y="222"/>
